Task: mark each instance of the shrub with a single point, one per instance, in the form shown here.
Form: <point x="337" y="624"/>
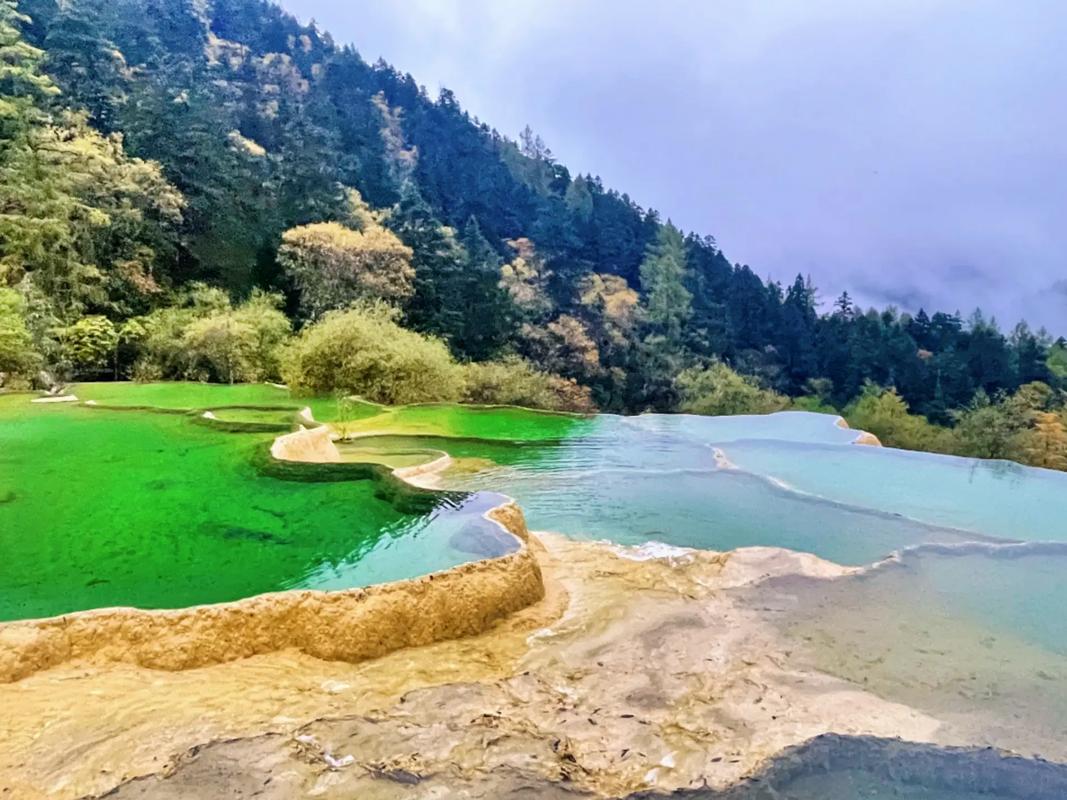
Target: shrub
<point x="985" y="429"/>
<point x="812" y="404"/>
<point x="363" y="351"/>
<point x="270" y="330"/>
<point x="219" y="346"/>
<point x="208" y="339"/>
<point x="514" y="381"/>
<point x="17" y="354"/>
<point x="89" y="342"/>
<point x="717" y="390"/>
<point x="885" y="414"/>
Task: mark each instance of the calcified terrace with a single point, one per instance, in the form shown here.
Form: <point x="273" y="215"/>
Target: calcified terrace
<point x="535" y="662"/>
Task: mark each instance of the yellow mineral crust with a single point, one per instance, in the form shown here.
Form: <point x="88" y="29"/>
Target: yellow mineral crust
<point x="635" y="671"/>
<point x="862" y="437"/>
<point x="312" y="445"/>
<point x="868" y="439"/>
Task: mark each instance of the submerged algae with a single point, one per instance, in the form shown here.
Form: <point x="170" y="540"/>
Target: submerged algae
<point x="137" y="508"/>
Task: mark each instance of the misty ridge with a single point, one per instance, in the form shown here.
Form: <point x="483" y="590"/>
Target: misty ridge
<point x="893" y="150"/>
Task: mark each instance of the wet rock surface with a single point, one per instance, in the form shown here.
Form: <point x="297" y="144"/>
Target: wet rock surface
<point x="829" y="766"/>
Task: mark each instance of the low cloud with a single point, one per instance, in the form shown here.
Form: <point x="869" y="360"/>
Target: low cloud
<point x="876" y="146"/>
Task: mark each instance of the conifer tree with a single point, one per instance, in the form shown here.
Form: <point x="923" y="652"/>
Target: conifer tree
<point x="485" y="306"/>
<point x="663" y="272"/>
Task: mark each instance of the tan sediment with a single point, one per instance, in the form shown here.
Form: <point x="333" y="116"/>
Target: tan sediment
<point x="426" y="476"/>
<point x="869" y="439"/>
<point x="311" y="445"/>
<point x="862" y="437"/>
<point x="347" y="625"/>
<point x="632" y="672"/>
<point x="317" y="446"/>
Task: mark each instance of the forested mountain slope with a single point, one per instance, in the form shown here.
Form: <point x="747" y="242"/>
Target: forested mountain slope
<point x="173" y="143"/>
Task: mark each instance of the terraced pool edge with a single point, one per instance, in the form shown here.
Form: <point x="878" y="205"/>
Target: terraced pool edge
<point x="345" y="625"/>
<point x="342" y="625"/>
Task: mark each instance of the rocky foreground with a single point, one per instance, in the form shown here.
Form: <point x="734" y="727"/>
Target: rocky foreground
<point x="638" y="670"/>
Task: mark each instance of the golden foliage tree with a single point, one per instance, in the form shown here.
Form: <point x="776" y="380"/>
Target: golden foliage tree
<point x="610" y="301"/>
<point x="565" y="346"/>
<point x="334" y="265"/>
<point x="1045" y="443"/>
<point x="526" y="278"/>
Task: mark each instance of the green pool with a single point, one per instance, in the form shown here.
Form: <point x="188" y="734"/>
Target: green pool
<point x="102" y="507"/>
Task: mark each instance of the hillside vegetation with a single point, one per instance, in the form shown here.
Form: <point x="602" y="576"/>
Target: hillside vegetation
<point x="186" y="185"/>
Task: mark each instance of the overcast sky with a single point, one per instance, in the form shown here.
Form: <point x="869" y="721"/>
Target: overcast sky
<point x="913" y="152"/>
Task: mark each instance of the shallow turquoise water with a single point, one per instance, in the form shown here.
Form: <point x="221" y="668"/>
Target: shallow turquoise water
<point x="785" y="426"/>
<point x="995" y="498"/>
<point x="1023" y="595"/>
<point x="797" y="482"/>
<point x="656" y="477"/>
<point x="718" y="510"/>
<point x="978" y="640"/>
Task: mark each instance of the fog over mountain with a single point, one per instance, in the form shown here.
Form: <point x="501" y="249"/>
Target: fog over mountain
<point x="911" y="152"/>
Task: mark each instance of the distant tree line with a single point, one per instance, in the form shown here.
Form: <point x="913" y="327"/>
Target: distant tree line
<point x="184" y="184"/>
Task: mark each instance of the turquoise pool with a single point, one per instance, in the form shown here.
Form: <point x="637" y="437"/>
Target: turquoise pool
<point x="791" y="480"/>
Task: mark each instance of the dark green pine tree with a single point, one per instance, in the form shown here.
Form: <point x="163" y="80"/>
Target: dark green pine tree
<point x="707" y="280"/>
<point x="668" y="304"/>
<point x="746" y="306"/>
<point x="988" y="356"/>
<point x="796" y="335"/>
<point x="439" y="260"/>
<point x="488" y="316"/>
<point x="919" y="328"/>
<point x="1031" y="356"/>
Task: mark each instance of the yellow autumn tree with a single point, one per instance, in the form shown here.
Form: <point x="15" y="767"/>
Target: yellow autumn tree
<point x="334" y="265"/>
<point x="526" y="280"/>
<point x="613" y="306"/>
<point x="564" y="346"/>
<point x="1045" y="443"/>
